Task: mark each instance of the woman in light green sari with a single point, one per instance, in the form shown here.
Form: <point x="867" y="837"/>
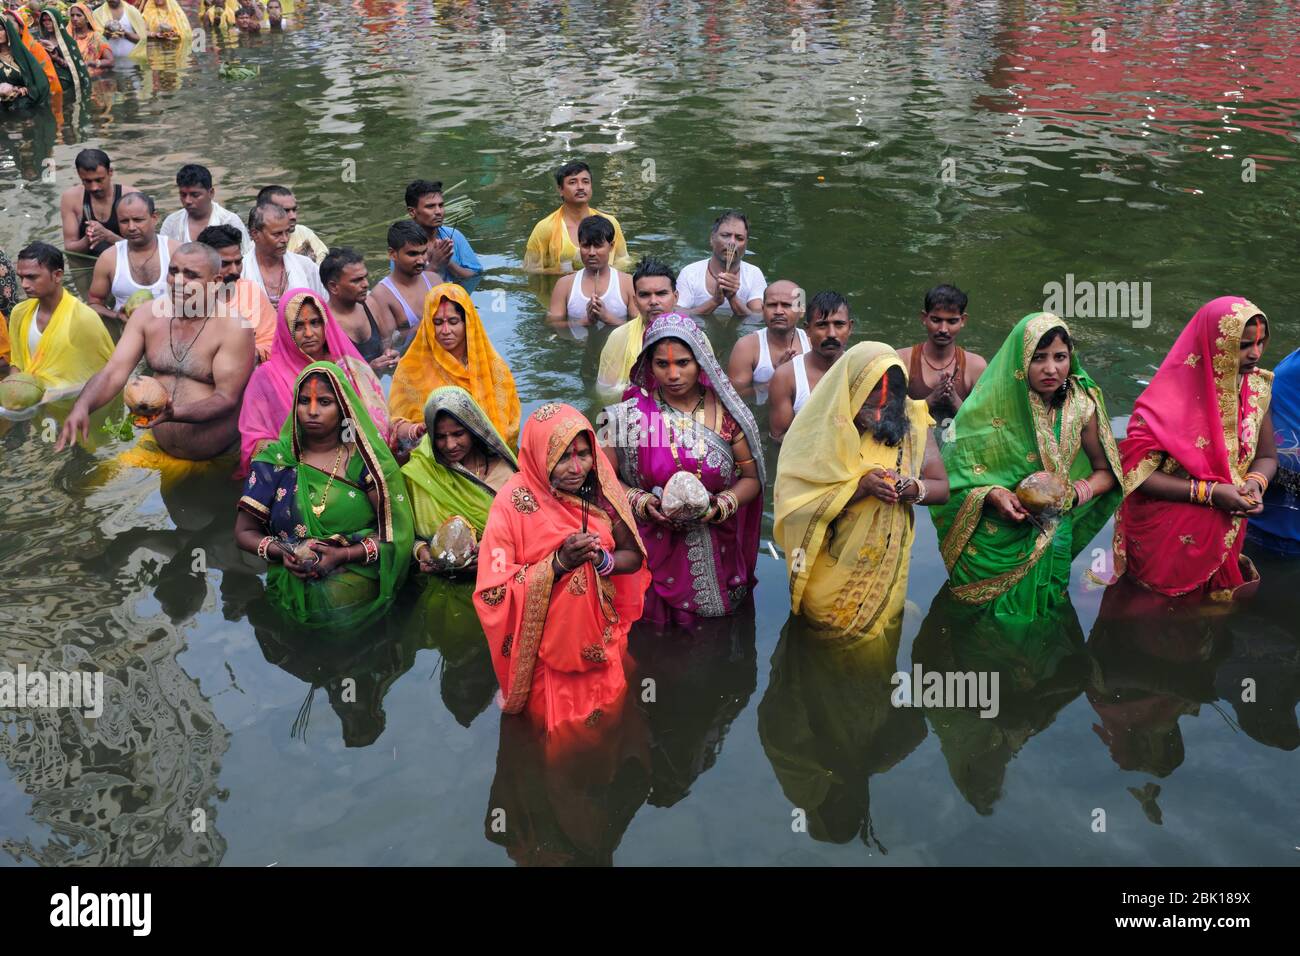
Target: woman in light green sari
<point x="457" y="468"/>
<point x="328" y="484"/>
<point x="1034" y="409"/>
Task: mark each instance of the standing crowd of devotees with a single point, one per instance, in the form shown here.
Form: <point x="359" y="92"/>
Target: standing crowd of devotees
<point x="574" y="531"/>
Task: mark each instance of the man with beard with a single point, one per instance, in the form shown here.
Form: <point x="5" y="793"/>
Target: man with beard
<point x="851" y="469"/>
<point x="829" y="327"/>
<point x="270" y="263"/>
<point x="241" y="298"/>
<point x="346" y="278"/>
<point x="400" y="294"/>
<point x="939" y="371"/>
<point x="756" y="357"/>
<point x="204" y="366"/>
<point x="137" y="263"/>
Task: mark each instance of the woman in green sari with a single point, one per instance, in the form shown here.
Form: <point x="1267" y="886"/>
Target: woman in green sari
<point x="326" y="507"/>
<point x="1033" y="410"/>
<point x="52" y="33"/>
<point x="457" y="469"/>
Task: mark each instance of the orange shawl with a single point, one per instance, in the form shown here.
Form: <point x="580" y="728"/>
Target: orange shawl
<point x="557" y="645"/>
<point x="41" y="54"/>
<point x="427" y="365"/>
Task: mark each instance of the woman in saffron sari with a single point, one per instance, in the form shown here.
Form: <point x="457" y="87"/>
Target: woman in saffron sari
<point x="1198" y="457"/>
<point x="83" y="26"/>
<point x="451" y="347"/>
<point x="566" y="579"/>
<point x="1034" y="409"/>
<point x="165" y="20"/>
<point x="27" y="82"/>
<point x="681" y="414"/>
<point x="305" y="332"/>
<point x="857" y="459"/>
<point x="64" y="52"/>
<point x="456" y="470"/>
<point x="329" y="483"/>
<point x="38" y="53"/>
<point x="1277" y="527"/>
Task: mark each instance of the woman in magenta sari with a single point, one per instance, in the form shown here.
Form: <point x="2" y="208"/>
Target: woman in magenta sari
<point x="305" y="332"/>
<point x="681" y="414"/>
<point x="1198" y="457"/>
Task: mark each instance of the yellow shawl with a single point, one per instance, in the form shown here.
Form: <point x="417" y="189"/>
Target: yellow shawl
<point x="74" y="346"/>
<point x="549" y="246"/>
<point x="848" y="562"/>
<point x="427" y="365"/>
<point x="133" y="16"/>
<point x="155" y="17"/>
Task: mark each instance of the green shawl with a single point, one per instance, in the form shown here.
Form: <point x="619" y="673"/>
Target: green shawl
<point x="74" y="77"/>
<point x="439" y="491"/>
<point x="1002" y="433"/>
<point x="355" y="592"/>
<point x="38" y="87"/>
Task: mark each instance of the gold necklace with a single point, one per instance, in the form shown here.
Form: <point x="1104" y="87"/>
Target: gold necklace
<point x="319" y="509"/>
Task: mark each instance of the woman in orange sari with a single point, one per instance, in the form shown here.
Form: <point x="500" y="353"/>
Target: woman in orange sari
<point x="562" y="575"/>
<point x="451" y="347"/>
<point x="39" y="52"/>
<point x="89" y="38"/>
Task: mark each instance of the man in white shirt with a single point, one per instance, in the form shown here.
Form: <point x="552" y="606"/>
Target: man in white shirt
<point x="302" y="240"/>
<point x="270" y="263"/>
<point x="199" y="209"/>
<point x="724" y="282"/>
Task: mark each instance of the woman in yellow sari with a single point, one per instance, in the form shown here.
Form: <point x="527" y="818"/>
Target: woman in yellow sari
<point x="857" y="459"/>
<point x="165" y="20"/>
<point x="451" y="347"/>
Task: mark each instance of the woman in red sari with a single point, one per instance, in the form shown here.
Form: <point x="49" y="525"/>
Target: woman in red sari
<point x="1198" y="456"/>
<point x="561" y="575"/>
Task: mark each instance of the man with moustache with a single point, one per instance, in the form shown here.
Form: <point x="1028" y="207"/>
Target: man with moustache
<point x="655" y="286"/>
<point x="450" y="254"/>
<point x="237" y="297"/>
<point x="203" y="363"/>
<point x="941" y="372"/>
<point x="199" y="208"/>
<point x="136" y="263"/>
<point x="400" y="294"/>
<point x="553" y="243"/>
<point x="302" y="241"/>
<point x="724" y="282"/>
<point x="348" y="281"/>
<point x="270" y="263"/>
<point x="89" y="211"/>
<point x="756" y="357"/>
<point x="829" y="327"/>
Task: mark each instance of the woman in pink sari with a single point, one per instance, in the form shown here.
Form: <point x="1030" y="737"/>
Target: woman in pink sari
<point x="305" y="332"/>
<point x="681" y="414"/>
<point x="1198" y="456"/>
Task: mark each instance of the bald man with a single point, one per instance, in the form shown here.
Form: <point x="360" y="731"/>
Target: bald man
<point x="757" y="356"/>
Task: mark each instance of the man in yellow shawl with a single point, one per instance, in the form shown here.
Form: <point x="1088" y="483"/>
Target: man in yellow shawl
<point x="857" y="459"/>
<point x="553" y="245"/>
<point x="124" y="28"/>
<point x="53" y="335"/>
<point x="451" y="347"/>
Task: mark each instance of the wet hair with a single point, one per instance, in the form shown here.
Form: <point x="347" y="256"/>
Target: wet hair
<point x="406" y="232"/>
<point x="570" y="169"/>
<point x="138" y="196"/>
<point x="947" y="297"/>
<point x="650" y="266"/>
<point x="892" y="426"/>
<point x="1047" y="338"/>
<point x="192" y="174"/>
<point x="89" y="160"/>
<point x="200" y="249"/>
<point x="257" y="216"/>
<point x="43" y="254"/>
<point x="221" y="237"/>
<point x="729" y="214"/>
<point x="419" y="189"/>
<point x="826" y="302"/>
<point x="269" y="193"/>
<point x="246" y="12"/>
<point x="339" y="258"/>
<point x="595" y="230"/>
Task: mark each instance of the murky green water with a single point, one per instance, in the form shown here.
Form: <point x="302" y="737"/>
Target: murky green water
<point x="830" y="125"/>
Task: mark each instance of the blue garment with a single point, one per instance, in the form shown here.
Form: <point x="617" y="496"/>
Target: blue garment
<point x="1278" y="528"/>
<point x="461" y="253"/>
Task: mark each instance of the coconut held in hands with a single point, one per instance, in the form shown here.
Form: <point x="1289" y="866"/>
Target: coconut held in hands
<point x="20" y="391"/>
<point x="1043" y="493"/>
<point x="454" y="544"/>
<point x="685" y="498"/>
<point x="145" y="396"/>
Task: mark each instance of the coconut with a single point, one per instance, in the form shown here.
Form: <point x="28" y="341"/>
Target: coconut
<point x="305" y="555"/>
<point x="454" y="544"/>
<point x="138" y="298"/>
<point x="685" y="498"/>
<point x="1043" y="493"/>
<point x="145" y="396"/>
<point x="20" y="391"/>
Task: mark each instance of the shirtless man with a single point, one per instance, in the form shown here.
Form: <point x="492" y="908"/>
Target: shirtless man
<point x="829" y="329"/>
<point x="348" y="282"/>
<point x="89" y="211"/>
<point x="400" y="294"/>
<point x="204" y="363"/>
<point x="138" y="262"/>
<point x="938" y="370"/>
<point x="756" y="357"/>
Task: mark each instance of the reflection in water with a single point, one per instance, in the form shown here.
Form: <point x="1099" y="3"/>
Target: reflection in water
<point x="702" y="680"/>
<point x="444" y="611"/>
<point x="827" y="725"/>
<point x="1041" y="667"/>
